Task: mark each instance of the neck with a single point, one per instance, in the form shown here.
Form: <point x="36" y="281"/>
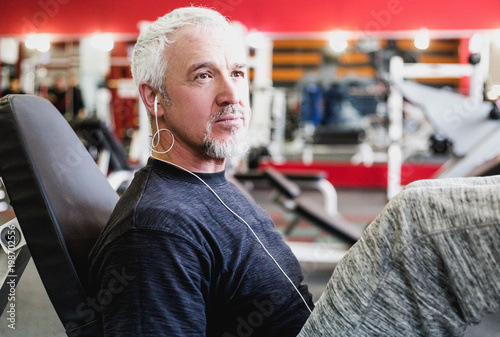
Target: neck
<point x="191" y="164"/>
<point x="170" y="163"/>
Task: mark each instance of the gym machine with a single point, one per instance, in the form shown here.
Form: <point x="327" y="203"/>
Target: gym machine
<point x="459" y="118"/>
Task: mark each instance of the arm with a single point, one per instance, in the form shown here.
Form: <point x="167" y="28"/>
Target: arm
<point x="152" y="284"/>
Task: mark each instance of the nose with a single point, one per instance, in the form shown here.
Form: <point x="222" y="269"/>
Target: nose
<point x="227" y="91"/>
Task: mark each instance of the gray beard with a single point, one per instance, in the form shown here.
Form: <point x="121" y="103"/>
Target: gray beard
<point x="233" y="147"/>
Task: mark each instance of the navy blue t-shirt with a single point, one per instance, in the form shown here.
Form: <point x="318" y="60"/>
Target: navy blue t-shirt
<point x="173" y="261"/>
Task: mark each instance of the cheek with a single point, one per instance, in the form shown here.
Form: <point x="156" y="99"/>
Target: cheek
<point x="193" y="104"/>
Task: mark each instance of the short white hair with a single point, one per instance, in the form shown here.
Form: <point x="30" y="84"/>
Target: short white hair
<point x="149" y="63"/>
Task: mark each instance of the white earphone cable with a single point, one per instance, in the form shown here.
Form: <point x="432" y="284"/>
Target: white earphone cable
<point x="153" y="145"/>
<point x="242" y="220"/>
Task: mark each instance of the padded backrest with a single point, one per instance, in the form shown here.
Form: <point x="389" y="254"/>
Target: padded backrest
<point x="61" y="200"/>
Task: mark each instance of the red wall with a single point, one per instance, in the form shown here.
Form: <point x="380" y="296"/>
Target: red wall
<point x="83" y="17"/>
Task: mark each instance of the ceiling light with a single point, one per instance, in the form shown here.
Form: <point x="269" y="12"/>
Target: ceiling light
<point x="422" y="39"/>
<point x="338" y="41"/>
<point x="102" y="42"/>
<point x="39" y="42"/>
<point x="256" y="40"/>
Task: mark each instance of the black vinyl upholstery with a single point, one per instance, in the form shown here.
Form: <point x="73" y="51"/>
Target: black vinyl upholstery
<point x="61" y="200"/>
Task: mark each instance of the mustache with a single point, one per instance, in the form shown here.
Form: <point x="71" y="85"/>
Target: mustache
<point x="228" y="110"/>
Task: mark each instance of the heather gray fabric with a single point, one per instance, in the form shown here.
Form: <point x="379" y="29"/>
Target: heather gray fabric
<point x="429" y="265"/>
<point x="458" y="181"/>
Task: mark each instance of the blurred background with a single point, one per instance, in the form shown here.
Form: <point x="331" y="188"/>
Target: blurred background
<point x="351" y="101"/>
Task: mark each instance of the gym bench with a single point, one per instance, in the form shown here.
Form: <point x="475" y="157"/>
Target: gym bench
<point x="287" y="194"/>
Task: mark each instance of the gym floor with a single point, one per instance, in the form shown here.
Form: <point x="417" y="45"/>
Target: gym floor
<point x="35" y="315"/>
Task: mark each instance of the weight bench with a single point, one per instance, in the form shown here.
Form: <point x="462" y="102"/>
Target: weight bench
<point x="62" y="201"/>
<point x="287" y="194"/>
<point x="308" y="180"/>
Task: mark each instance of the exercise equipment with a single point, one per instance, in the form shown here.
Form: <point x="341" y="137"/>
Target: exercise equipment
<point x="100" y="142"/>
<point x="3" y="198"/>
<point x="304" y="180"/>
<point x="288" y="196"/>
<point x="61" y="200"/>
<point x="106" y="151"/>
<point x="450" y="108"/>
<point x="465" y="123"/>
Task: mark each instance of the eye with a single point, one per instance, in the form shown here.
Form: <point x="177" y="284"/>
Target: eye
<point x="239" y="73"/>
<point x="202" y="76"/>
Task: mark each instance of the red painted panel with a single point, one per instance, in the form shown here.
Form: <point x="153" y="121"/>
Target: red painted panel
<point x="83" y="17"/>
<point x="345" y="174"/>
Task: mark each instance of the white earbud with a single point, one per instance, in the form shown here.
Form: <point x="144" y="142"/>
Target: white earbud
<point x="154" y="143"/>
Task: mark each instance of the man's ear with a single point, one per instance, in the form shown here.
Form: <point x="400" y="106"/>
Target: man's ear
<point x="148" y="95"/>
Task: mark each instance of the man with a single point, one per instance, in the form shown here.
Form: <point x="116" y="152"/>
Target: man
<point x="57" y="95"/>
<point x="76" y="105"/>
<point x="14" y="87"/>
<point x="197" y="257"/>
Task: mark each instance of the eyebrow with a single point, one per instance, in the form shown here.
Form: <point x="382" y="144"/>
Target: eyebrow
<point x="197" y="66"/>
<point x="240" y="65"/>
